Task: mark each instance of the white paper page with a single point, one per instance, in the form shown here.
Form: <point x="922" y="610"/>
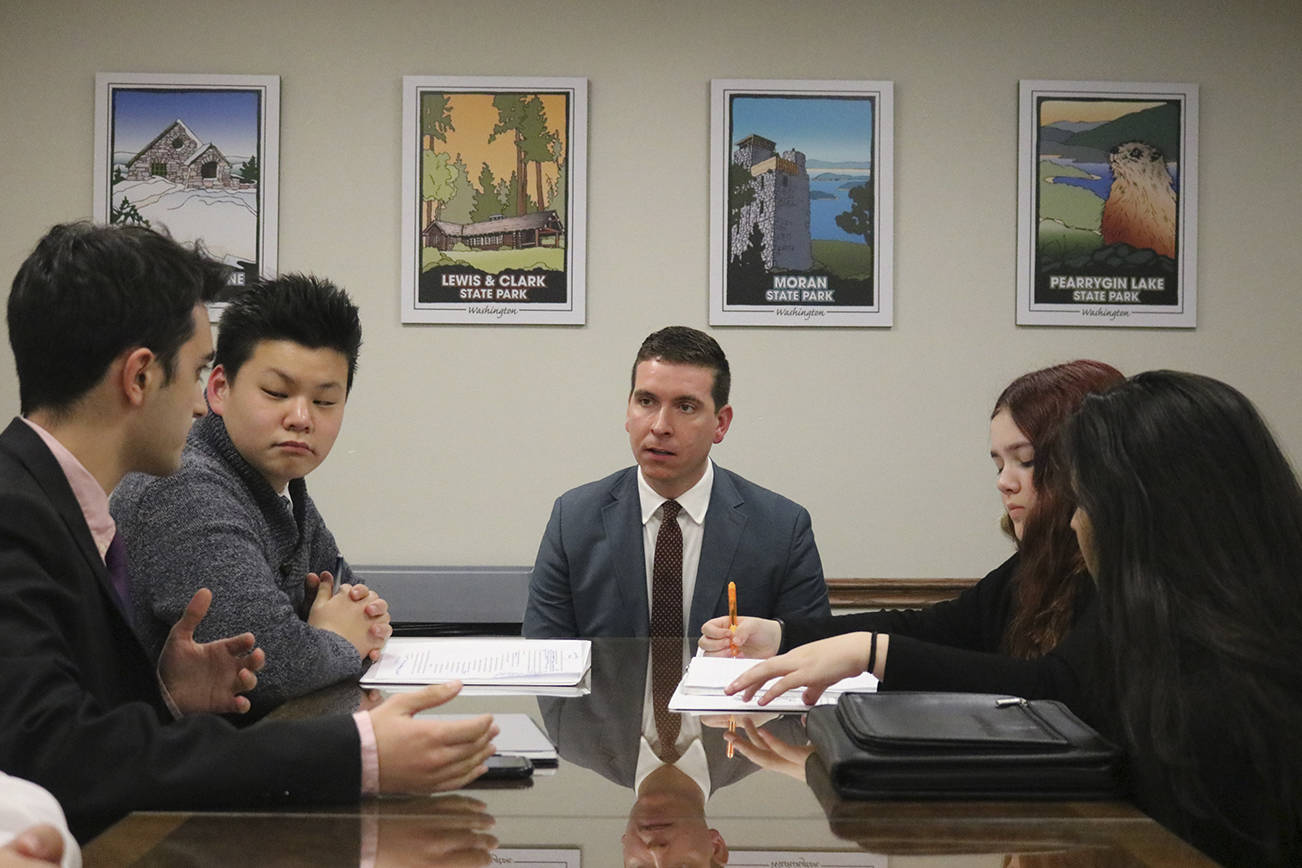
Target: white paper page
<point x="481" y="661"/>
<point x="707" y="703"/>
<point x="535" y="858"/>
<point x="804" y="859"/>
<point x="710" y="675"/>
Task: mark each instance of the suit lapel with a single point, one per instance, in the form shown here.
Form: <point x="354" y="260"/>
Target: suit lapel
<point x="27" y="445"/>
<point x="621" y="520"/>
<point x="725" y="521"/>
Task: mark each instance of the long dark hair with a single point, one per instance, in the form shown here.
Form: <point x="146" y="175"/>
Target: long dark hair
<point x="1196" y="519"/>
<point x="1050" y="573"/>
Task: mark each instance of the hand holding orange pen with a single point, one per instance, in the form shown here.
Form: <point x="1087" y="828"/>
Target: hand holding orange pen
<point x="732" y="617"/>
<point x="732" y="644"/>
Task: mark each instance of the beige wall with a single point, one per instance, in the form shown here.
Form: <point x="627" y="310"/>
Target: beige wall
<point x="459" y="437"/>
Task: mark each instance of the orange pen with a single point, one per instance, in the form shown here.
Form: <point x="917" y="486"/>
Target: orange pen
<point x="732" y="617"/>
<point x="732" y="727"/>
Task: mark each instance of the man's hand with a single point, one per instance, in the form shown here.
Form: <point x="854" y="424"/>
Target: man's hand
<point x="448" y="831"/>
<point x="424" y="756"/>
<point x="815" y="667"/>
<point x="36" y="845"/>
<point x="355" y="612"/>
<point x="767" y="751"/>
<point x="208" y="676"/>
<point x="756" y="637"/>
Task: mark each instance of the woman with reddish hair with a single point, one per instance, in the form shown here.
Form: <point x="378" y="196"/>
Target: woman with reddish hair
<point x="1027" y="628"/>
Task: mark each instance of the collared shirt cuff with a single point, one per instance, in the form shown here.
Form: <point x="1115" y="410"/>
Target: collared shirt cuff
<point x="167" y="697"/>
<point x="370" y="754"/>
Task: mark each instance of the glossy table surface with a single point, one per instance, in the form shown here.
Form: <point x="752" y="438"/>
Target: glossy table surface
<point x="775" y="813"/>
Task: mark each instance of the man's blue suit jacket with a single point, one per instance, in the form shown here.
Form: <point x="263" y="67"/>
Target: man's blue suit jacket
<point x="590" y="575"/>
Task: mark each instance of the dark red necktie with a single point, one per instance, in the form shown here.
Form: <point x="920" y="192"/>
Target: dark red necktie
<point x="667" y="576"/>
<point x="666" y="671"/>
<point x="667" y="627"/>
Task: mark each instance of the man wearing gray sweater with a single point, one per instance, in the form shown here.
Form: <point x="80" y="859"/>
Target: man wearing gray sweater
<point x="237" y="517"/>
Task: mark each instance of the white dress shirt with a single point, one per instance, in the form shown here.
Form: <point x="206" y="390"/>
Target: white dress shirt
<point x="691" y="519"/>
<point x="24" y="804"/>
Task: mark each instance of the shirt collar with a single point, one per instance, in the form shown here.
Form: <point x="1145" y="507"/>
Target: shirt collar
<point x="694" y="501"/>
<point x="692" y="763"/>
<point x="85" y="487"/>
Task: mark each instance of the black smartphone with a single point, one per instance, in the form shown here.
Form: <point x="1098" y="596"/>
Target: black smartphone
<point x="503" y="767"/>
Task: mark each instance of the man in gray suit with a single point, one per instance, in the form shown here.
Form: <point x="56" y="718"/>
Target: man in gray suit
<point x="593" y="575"/>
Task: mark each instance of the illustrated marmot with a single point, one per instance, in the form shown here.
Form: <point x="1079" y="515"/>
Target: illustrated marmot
<point x="1140" y="208"/>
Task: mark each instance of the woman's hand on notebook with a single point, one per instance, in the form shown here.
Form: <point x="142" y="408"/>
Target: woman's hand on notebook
<point x="815" y="667"/>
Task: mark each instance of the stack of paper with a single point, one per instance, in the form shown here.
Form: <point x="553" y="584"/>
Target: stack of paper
<point x="702" y="688"/>
<point x="532" y="665"/>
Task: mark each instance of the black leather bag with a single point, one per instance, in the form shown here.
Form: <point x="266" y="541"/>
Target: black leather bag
<point x="960" y="746"/>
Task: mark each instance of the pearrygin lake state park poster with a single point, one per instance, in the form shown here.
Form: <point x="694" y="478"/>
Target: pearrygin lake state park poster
<point x="1107" y="228"/>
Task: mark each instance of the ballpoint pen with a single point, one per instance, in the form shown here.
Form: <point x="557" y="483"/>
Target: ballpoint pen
<point x="732" y="617"/>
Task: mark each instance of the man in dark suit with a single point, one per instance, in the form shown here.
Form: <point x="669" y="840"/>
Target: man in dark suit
<point x="597" y="561"/>
<point x="110" y="340"/>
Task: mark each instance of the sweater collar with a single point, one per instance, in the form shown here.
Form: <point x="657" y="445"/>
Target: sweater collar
<point x="209" y="435"/>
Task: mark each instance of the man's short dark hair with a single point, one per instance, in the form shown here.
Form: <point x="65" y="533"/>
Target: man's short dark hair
<point x="681" y="345"/>
<point x="304" y="309"/>
<point x="88" y="293"/>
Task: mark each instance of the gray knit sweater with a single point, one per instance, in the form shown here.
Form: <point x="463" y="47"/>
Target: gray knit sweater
<point x="218" y="524"/>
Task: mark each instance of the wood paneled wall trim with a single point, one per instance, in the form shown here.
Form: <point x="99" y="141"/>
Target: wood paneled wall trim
<point x="893" y="593"/>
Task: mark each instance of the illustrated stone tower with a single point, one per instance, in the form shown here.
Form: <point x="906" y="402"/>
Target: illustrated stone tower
<point x="780" y="207"/>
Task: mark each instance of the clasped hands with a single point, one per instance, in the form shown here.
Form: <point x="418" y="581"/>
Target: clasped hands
<point x="211" y="676"/>
<point x="355" y="612"/>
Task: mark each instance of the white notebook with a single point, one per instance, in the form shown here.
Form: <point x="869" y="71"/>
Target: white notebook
<point x="701" y="688"/>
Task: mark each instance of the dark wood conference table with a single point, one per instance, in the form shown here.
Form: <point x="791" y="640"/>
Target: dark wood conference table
<point x="576" y="814"/>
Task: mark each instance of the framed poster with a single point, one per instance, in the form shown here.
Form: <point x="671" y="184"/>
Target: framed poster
<point x="195" y="155"/>
<point x="494" y="186"/>
<point x="801" y="192"/>
<point x="1107" y="219"/>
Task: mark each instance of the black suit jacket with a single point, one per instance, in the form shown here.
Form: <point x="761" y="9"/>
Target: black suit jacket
<point x="80" y="708"/>
<point x="589" y="579"/>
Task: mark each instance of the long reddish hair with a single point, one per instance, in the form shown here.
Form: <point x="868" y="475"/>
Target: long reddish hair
<point x="1051" y="573"/>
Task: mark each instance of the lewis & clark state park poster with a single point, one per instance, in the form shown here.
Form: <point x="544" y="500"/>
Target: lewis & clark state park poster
<point x="1107" y="211"/>
<point x="801" y="203"/>
<point x="494" y="199"/>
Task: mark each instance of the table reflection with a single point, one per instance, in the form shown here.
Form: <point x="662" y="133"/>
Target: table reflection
<point x="616" y="731"/>
<point x="614" y="798"/>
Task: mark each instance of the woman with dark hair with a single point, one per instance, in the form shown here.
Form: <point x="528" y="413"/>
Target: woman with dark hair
<point x="1022" y="629"/>
<point x="1190" y="519"/>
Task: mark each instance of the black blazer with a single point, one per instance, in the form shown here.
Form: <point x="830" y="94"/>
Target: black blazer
<point x="80" y="708"/>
